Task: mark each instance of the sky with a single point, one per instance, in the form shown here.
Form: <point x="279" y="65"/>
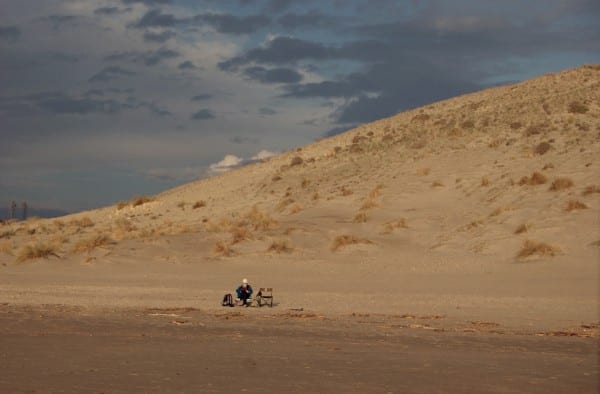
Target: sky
<point x="103" y="100"/>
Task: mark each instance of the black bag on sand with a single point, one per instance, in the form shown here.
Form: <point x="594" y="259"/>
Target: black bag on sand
<point x="228" y="300"/>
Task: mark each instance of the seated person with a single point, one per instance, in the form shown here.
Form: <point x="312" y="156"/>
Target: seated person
<point x="244" y="292"/>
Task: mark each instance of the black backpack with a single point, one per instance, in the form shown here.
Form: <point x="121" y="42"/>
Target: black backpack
<point x="227" y="300"/>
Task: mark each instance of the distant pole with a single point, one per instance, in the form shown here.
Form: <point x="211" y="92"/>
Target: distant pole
<point x="24" y="210"/>
<point x="11" y="211"/>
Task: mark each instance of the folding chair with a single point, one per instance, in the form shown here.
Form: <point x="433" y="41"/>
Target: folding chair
<point x="265" y="296"/>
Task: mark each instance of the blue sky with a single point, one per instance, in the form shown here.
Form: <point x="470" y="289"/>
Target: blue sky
<point x="103" y="100"/>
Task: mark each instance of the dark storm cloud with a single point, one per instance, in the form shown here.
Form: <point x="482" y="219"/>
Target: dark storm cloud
<point x="278" y="5"/>
<point x="159" y="37"/>
<point x="267" y="111"/>
<point x="203" y="114"/>
<point x="202" y="97"/>
<point x="187" y="65"/>
<point x="312" y="18"/>
<point x="231" y="24"/>
<point x="109" y="73"/>
<point x="280" y="50"/>
<point x="147" y="2"/>
<point x="58" y="103"/>
<point x="155" y="18"/>
<point x="149" y="58"/>
<point x="9" y="33"/>
<point x="273" y="75"/>
<point x="223" y="23"/>
<point x="110" y="11"/>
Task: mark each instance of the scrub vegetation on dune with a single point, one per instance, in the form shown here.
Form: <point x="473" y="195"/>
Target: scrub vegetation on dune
<point x="36" y="251"/>
<point x="345" y="240"/>
<point x="537" y="249"/>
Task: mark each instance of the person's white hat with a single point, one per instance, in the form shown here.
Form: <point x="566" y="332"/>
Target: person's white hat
<point x="245" y="281"/>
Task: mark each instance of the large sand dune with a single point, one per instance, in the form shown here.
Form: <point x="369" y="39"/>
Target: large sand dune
<point x="484" y="206"/>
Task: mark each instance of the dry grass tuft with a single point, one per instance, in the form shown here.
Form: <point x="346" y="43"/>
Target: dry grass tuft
<point x="280" y="246"/>
<point x="83" y="222"/>
<point x="360" y="217"/>
<point x="533" y="248"/>
<point x="591" y="189"/>
<point x="239" y="234"/>
<point x="346" y="192"/>
<point x="296" y="161"/>
<point x="141" y="200"/>
<point x="574" y="205"/>
<point x="296" y="208"/>
<point x="36" y="251"/>
<point x="199" y="204"/>
<point x="542" y="148"/>
<point x="575" y="107"/>
<point x="437" y="184"/>
<point x="423" y="171"/>
<point x="368" y="204"/>
<point x="536" y="178"/>
<point x="561" y="184"/>
<point x="390" y="226"/>
<point x="344" y="240"/>
<point x="485" y="182"/>
<point x="87" y="245"/>
<point x="135" y="202"/>
<point x="523" y="228"/>
<point x="259" y="220"/>
<point x="181" y="205"/>
<point x="222" y="249"/>
<point x="548" y="166"/>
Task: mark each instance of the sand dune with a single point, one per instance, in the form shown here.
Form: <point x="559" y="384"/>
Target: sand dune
<point x="481" y="206"/>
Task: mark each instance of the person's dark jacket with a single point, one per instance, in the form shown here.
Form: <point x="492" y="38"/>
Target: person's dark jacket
<point x="241" y="294"/>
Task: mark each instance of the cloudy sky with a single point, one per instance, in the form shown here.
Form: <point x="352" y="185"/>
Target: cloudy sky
<point x="101" y="100"/>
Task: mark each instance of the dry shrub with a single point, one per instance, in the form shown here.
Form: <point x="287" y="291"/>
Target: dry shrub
<point x="420" y="118"/>
<point x="496" y="212"/>
<point x="437" y="184"/>
<point x="360" y="217"/>
<point x="7" y="234"/>
<point x="284" y="203"/>
<point x="535" y="129"/>
<point x="344" y="240"/>
<point x="356" y="148"/>
<point x="574" y="205"/>
<point x="419" y="143"/>
<point x="485" y="181"/>
<point x="87" y="245"/>
<point x="305" y="183"/>
<point x="259" y="220"/>
<point x="346" y="192"/>
<point x="316" y="196"/>
<point x="36" y="251"/>
<point x="58" y="224"/>
<point x="83" y="222"/>
<point x="523" y="228"/>
<point x="222" y="249"/>
<point x="588" y="190"/>
<point x="296" y="161"/>
<point x="239" y="234"/>
<point x="368" y="204"/>
<point x="467" y="124"/>
<point x="376" y="192"/>
<point x="199" y="204"/>
<point x="390" y="226"/>
<point x="280" y="246"/>
<point x="548" y="166"/>
<point x="181" y="204"/>
<point x="561" y="184"/>
<point x="296" y="208"/>
<point x="516" y="125"/>
<point x="542" y="148"/>
<point x="534" y="248"/>
<point x="575" y="107"/>
<point x="536" y="178"/>
<point x="141" y="200"/>
<point x="423" y="171"/>
<point x="276" y="178"/>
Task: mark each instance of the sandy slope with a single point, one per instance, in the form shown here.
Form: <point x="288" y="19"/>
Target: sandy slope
<point x="429" y="202"/>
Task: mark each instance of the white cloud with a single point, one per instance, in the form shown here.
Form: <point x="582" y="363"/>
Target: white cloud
<point x="263" y="155"/>
<point x="228" y="163"/>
